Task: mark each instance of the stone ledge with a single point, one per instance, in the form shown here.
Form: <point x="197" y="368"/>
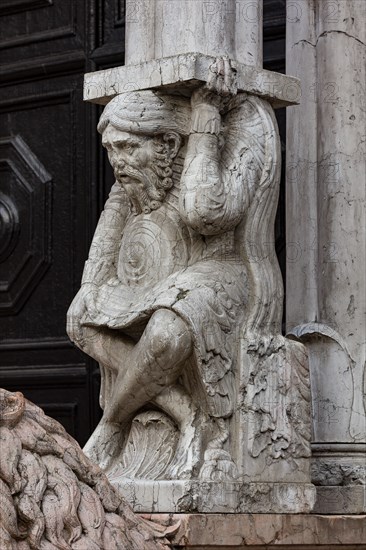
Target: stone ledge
<point x="265" y="531"/>
<point x="215" y="497"/>
<point x="187" y="70"/>
<point x="349" y="499"/>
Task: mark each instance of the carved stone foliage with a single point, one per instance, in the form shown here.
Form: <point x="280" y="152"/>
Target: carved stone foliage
<point x="277" y="397"/>
<point x="330" y="473"/>
<point x="153" y="438"/>
<point x="25" y="228"/>
<point x="53" y="497"/>
<point x="199" y="390"/>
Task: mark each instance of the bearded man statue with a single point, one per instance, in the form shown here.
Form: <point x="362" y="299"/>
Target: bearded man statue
<point x="173" y="303"/>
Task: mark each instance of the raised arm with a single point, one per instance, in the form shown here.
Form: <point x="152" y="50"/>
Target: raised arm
<point x="211" y="197"/>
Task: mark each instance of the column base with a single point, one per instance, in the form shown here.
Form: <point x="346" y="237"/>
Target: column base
<point x="339" y="472"/>
<point x="340" y="500"/>
<point x="217" y="497"/>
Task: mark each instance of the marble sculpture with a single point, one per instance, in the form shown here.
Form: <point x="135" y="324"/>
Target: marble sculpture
<point x="181" y="301"/>
<point x="52" y="497"/>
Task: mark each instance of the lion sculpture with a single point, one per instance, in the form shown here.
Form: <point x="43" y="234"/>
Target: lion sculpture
<point x="53" y="496"/>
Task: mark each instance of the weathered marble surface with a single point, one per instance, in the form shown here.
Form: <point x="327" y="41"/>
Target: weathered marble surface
<point x="326" y="229"/>
<point x="52" y="497"/>
<point x="181" y="304"/>
<point x="217" y="496"/>
<point x="159" y="28"/>
<point x="267" y="531"/>
<point x="181" y="74"/>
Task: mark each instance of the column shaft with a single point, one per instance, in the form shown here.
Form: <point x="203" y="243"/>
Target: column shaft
<point x="162" y="28"/>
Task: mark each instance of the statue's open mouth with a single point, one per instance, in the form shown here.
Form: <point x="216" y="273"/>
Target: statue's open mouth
<point x="124" y="176"/>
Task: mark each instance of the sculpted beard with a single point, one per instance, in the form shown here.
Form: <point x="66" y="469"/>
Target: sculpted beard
<point x="147" y="188"/>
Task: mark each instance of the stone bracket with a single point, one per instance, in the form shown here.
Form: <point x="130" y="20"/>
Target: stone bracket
<point x="185" y="71"/>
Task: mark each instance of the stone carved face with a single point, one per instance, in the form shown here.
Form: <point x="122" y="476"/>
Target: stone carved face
<point x="142" y="164"/>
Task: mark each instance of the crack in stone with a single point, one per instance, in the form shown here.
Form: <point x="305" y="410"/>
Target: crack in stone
<point x="325" y="33"/>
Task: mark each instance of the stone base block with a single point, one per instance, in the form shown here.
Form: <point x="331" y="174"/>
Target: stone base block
<point x="341" y="500"/>
<point x="217" y="497"/>
<point x="339" y="472"/>
<point x="266" y="531"/>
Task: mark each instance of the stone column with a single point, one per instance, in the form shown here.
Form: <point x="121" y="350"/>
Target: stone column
<point x="326" y="229"/>
<point x="162" y="28"/>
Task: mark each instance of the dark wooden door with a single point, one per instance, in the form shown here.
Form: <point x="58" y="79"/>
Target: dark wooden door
<point x="53" y="182"/>
<point x="51" y="192"/>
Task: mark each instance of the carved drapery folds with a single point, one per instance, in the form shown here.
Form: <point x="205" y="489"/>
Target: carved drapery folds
<point x="181" y="303"/>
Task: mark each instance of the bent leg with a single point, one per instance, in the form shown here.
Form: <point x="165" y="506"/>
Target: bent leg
<point x="153" y="364"/>
<point x="109" y="347"/>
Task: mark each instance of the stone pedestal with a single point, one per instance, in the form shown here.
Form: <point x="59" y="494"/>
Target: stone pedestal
<point x="266" y="531"/>
<point x="213" y="497"/>
<point x="326" y="231"/>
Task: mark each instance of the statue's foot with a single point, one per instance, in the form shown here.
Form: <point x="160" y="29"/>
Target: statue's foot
<point x="105" y="443"/>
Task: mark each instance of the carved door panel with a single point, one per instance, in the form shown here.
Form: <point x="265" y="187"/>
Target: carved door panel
<point x="53" y="183"/>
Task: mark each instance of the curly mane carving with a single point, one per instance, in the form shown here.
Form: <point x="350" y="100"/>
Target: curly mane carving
<point x="53" y="497"/>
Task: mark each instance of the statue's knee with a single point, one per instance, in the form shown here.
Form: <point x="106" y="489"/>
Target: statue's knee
<point x="92" y="342"/>
<point x="169" y="334"/>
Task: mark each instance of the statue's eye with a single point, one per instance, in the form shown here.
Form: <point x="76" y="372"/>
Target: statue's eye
<point x="131" y="147"/>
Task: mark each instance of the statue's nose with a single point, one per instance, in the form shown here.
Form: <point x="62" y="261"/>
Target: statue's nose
<point x="116" y="159"/>
<point x="120" y="157"/>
